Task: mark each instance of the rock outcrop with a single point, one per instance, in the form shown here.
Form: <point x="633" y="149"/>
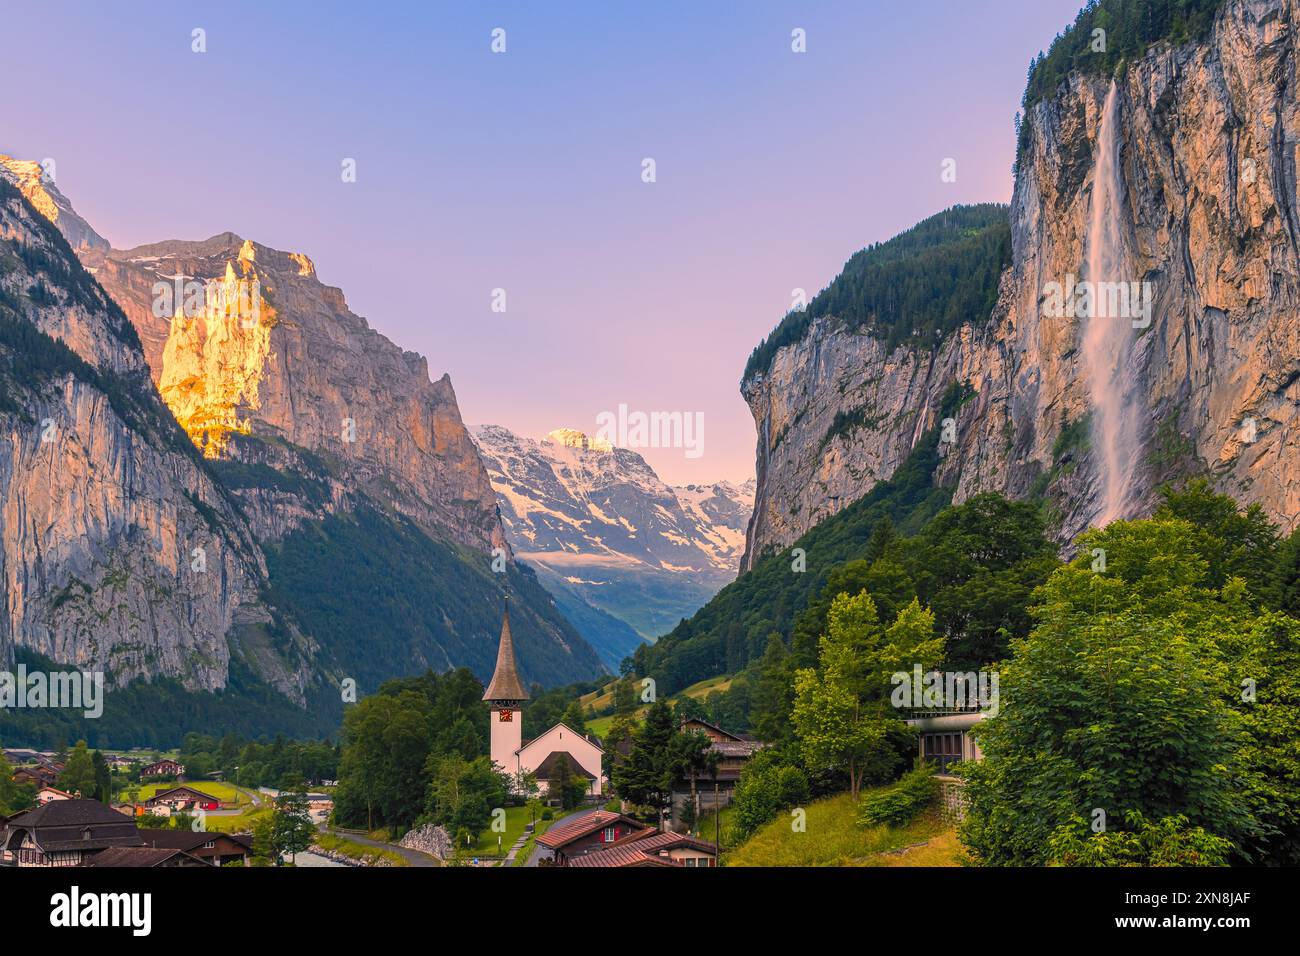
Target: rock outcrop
<point x="118" y="551"/>
<point x="1210" y="216"/>
<point x="271" y="368"/>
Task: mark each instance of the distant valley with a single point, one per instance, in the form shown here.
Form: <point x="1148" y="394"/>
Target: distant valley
<point x="626" y="555"/>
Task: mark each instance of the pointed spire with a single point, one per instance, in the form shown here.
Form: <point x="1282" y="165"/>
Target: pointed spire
<point x="505" y="684"/>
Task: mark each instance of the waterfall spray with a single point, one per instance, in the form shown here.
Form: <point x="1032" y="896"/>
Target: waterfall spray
<point x="1107" y="337"/>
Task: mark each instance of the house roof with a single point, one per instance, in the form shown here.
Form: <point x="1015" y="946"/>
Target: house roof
<point x="505" y="683"/>
<point x="587" y="737"/>
<point x="54" y="790"/>
<point x="162" y="795"/>
<point x="548" y="768"/>
<point x="651" y="841"/>
<point x="138" y="856"/>
<point x="621" y="856"/>
<point x="73" y="825"/>
<point x="188" y="840"/>
<point x="705" y="723"/>
<point x="561" y="836"/>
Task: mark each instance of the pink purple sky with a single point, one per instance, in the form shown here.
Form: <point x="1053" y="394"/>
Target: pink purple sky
<point x="522" y="170"/>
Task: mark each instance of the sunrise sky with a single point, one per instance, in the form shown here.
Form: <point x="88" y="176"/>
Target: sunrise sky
<point x="522" y="170"/>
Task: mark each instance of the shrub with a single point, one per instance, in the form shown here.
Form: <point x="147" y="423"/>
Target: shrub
<point x="766" y="787"/>
<point x="902" y="803"/>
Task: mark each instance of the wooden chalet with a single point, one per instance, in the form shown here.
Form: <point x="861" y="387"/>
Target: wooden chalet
<point x="213" y="848"/>
<point x="65" y="833"/>
<point x="589" y="833"/>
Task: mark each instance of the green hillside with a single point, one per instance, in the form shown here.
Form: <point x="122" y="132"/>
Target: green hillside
<point x="921" y="284"/>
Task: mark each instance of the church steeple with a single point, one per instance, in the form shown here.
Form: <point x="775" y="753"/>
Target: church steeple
<point x="505" y="687"/>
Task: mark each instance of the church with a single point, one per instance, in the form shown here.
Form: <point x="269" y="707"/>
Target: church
<point x="542" y="755"/>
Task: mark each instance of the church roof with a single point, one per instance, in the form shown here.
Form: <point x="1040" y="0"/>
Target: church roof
<point x="505" y="684"/>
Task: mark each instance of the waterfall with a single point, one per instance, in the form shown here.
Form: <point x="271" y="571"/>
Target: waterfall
<point x="1108" y="337"/>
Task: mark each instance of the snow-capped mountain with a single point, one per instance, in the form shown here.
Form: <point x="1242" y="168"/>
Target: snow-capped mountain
<point x="598" y="523"/>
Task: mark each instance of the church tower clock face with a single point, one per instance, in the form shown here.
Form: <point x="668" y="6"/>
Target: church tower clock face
<point x="505" y="716"/>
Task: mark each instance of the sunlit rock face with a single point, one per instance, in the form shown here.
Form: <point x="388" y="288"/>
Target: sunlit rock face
<point x="118" y="553"/>
<point x="35" y="183"/>
<point x="276" y="370"/>
<point x="1209" y="217"/>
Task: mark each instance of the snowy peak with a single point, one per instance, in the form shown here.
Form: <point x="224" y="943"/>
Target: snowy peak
<point x="573" y="495"/>
<point x="572" y="438"/>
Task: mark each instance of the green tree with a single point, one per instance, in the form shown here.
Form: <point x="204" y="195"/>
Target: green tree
<point x="78" y="776"/>
<point x="575" y="717"/>
<point x="655" y="761"/>
<point x="773" y="695"/>
<point x="1116" y="702"/>
<point x="767" y="785"/>
<point x="103" y="777"/>
<point x="842" y="715"/>
<point x="292" y="830"/>
<point x="463" y="793"/>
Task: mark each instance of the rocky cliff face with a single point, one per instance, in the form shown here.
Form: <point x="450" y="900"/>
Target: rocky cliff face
<point x="148" y="550"/>
<point x="272" y="369"/>
<point x="118" y="551"/>
<point x="1208" y="217"/>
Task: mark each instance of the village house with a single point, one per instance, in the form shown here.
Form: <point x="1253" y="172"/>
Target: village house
<point x="64" y="833"/>
<point x="215" y="849"/>
<point x="182" y="799"/>
<point x="37" y="776"/>
<point x="162" y="768"/>
<point x="590" y="833"/>
<point x="944" y="738"/>
<point x="142" y="856"/>
<point x="46" y="794"/>
<point x="543" y="756"/>
<point x="733" y="752"/>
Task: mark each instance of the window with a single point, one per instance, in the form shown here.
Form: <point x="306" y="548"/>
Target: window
<point x="610" y="835"/>
<point x="210" y="845"/>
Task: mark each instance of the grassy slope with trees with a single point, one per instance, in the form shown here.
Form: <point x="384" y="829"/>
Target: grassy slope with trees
<point x="919" y="285"/>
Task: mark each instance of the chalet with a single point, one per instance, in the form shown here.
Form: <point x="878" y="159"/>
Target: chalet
<point x="37" y="776"/>
<point x="215" y="849"/>
<point x="590" y="833"/>
<point x="46" y="794"/>
<point x="621" y="856"/>
<point x="65" y="833"/>
<point x="650" y="847"/>
<point x="20" y="755"/>
<point x="182" y="798"/>
<point x="163" y="768"/>
<point x="142" y="856"/>
<point x="733" y="752"/>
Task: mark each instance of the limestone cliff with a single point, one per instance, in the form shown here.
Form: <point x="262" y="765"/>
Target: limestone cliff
<point x="271" y="368"/>
<point x="118" y="551"/>
<point x="1209" y="217"/>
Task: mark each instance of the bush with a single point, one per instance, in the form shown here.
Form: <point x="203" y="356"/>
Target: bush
<point x="766" y="787"/>
<point x="1170" y="841"/>
<point x="900" y="804"/>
